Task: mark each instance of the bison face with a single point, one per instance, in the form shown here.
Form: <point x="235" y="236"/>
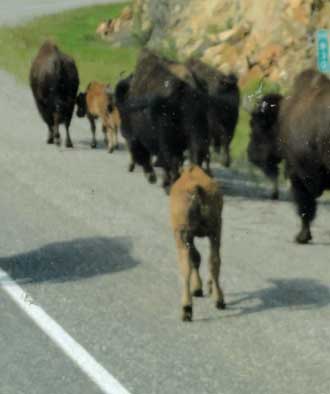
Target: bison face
<point x="263" y="147"/>
<point x="227" y="83"/>
<point x="81" y="105"/>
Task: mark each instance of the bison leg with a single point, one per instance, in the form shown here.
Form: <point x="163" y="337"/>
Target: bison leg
<point x="104" y="130"/>
<point x="131" y="166"/>
<point x="166" y="181"/>
<point x="306" y="207"/>
<point x="57" y="136"/>
<point x="196" y="281"/>
<point x="93" y="130"/>
<point x="186" y="267"/>
<point x="68" y="142"/>
<point x="226" y="158"/>
<point x="225" y="138"/>
<point x="112" y="139"/>
<point x="112" y="132"/>
<point x="275" y="191"/>
<point x="149" y="172"/>
<point x="115" y="137"/>
<point x="50" y="139"/>
<point x="214" y="272"/>
<point x="208" y="167"/>
<point x="141" y="156"/>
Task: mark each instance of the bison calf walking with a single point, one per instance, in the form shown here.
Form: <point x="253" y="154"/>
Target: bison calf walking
<point x="196" y="206"/>
<point x="97" y="102"/>
<point x="54" y="82"/>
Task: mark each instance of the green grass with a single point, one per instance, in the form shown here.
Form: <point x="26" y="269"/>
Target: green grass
<point x="74" y="32"/>
<point x="241" y="137"/>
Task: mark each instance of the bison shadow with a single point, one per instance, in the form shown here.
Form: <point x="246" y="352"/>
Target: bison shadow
<point x="238" y="184"/>
<point x="294" y="294"/>
<point x="70" y="260"/>
<point x="86" y="145"/>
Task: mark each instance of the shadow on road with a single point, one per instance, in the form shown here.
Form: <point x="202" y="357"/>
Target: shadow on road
<point x="241" y="184"/>
<point x="71" y="260"/>
<point x="86" y="144"/>
<point x="295" y="294"/>
<point x="238" y="184"/>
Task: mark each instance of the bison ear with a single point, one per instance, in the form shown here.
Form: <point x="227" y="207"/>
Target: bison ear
<point x="110" y="107"/>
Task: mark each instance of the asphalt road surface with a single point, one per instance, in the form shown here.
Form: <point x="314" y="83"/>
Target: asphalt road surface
<point x="90" y="245"/>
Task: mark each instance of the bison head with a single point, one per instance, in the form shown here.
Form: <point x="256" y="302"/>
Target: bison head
<point x="263" y="145"/>
<point x="81" y="105"/>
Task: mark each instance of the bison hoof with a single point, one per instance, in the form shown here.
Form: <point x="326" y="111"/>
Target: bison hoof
<point x="152" y="178"/>
<point x="209" y="172"/>
<point x="50" y="140"/>
<point x="110" y="150"/>
<point x="187" y="313"/>
<point x="131" y="167"/>
<point x="303" y="237"/>
<point x="275" y="195"/>
<point x="198" y="293"/>
<point x="167" y="189"/>
<point x="220" y="304"/>
<point x="93" y="145"/>
<point x="69" y="144"/>
<point x="225" y="162"/>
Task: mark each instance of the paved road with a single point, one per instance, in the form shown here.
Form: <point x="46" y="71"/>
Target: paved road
<point x="91" y="244"/>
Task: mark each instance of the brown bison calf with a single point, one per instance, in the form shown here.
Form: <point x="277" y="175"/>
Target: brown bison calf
<point x="196" y="206"/>
<point x="97" y="102"/>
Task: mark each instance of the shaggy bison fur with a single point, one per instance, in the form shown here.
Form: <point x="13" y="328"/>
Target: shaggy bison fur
<point x="299" y="134"/>
<point x="54" y="82"/>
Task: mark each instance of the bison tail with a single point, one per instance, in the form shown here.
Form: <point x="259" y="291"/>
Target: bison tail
<point x="197" y="202"/>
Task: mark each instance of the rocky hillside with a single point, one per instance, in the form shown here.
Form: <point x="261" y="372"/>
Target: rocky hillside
<point x="254" y="38"/>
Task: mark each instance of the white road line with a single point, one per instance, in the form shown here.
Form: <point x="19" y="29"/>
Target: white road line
<point x="99" y="375"/>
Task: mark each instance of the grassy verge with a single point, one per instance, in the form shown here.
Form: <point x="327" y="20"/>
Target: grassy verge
<point x="74" y="32"/>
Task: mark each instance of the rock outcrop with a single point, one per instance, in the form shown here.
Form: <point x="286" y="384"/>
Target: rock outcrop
<point x="254" y="38"/>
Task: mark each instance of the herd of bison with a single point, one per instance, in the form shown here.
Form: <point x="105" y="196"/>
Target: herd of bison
<point x="168" y="112"/>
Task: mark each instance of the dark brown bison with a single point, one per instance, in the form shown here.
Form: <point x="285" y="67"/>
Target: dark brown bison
<point x="163" y="114"/>
<point x="54" y="82"/>
<point x="300" y="135"/>
<point x="223" y="105"/>
<point x="263" y="149"/>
